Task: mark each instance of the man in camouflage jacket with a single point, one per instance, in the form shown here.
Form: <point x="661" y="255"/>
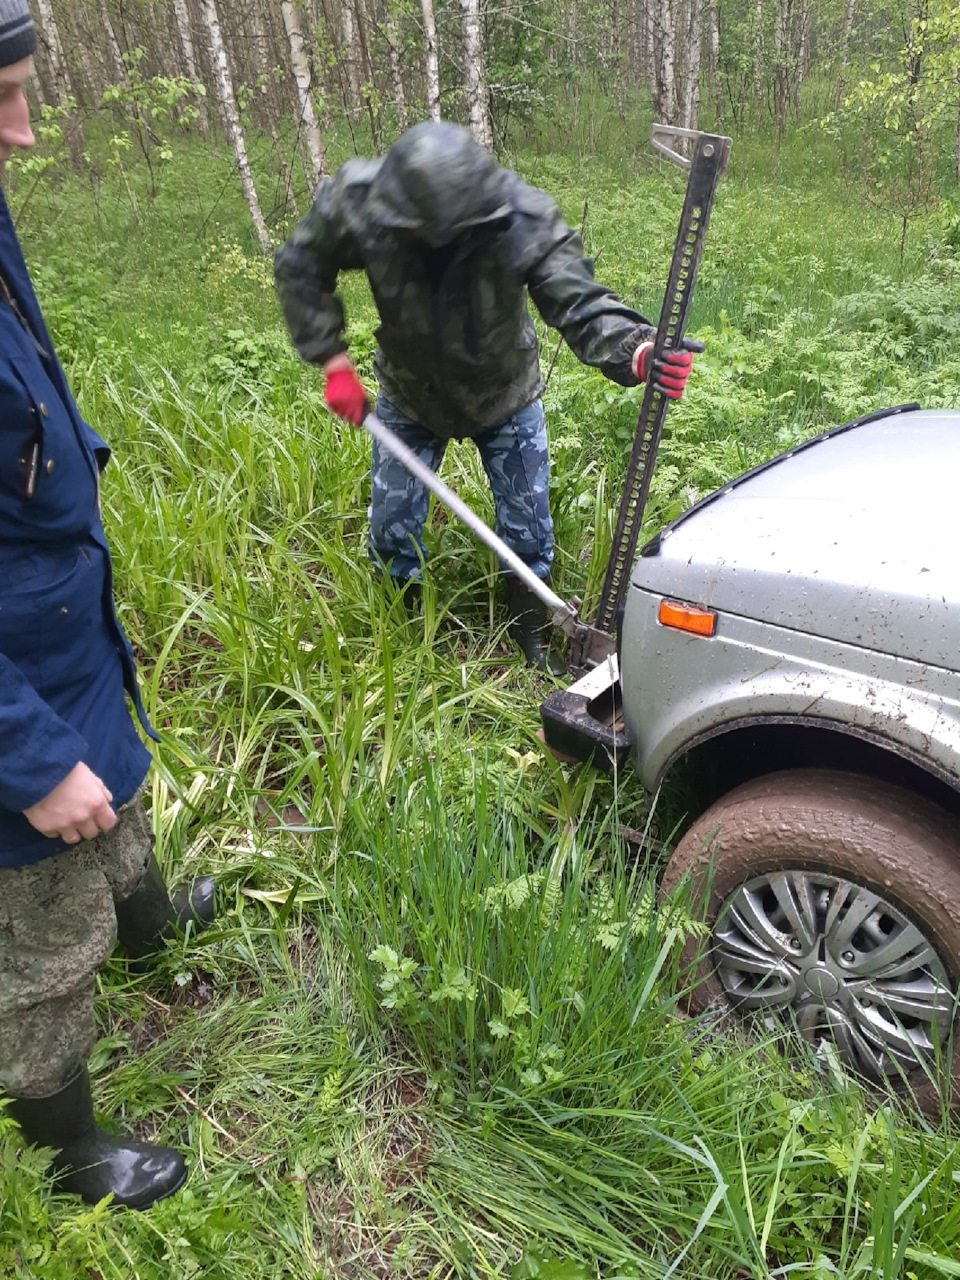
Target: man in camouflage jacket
<point x="452" y="246"/>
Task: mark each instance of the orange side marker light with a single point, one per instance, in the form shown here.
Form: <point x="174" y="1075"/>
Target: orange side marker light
<point x="684" y="617"/>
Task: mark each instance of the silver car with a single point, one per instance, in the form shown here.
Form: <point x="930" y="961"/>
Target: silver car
<point x="791" y="647"/>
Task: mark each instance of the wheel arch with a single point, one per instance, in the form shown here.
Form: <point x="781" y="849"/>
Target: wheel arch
<point x="725" y="756"/>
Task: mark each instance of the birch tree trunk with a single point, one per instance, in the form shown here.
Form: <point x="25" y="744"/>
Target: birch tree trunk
<point x="615" y="57"/>
<point x="182" y="13"/>
<point x="392" y="34"/>
<point x="43" y="81"/>
<point x="285" y="95"/>
<point x="431" y="60"/>
<point x="113" y="44"/>
<point x="758" y="56"/>
<point x="474" y="77"/>
<point x="634" y="54"/>
<point x="780" y="70"/>
<point x="802" y="45"/>
<point x="651" y="57"/>
<point x="691" y="84"/>
<point x="228" y="103"/>
<point x="845" y="37"/>
<point x="715" y="77"/>
<point x="665" y="101"/>
<point x="350" y="57"/>
<point x="301" y="73"/>
<point x="49" y="33"/>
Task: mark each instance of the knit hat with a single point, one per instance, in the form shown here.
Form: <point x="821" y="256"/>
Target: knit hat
<point x="18" y="40"/>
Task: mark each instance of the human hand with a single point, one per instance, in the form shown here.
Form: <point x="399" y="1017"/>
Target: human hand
<point x="344" y="391"/>
<point x="671" y="371"/>
<point x="78" y="808"/>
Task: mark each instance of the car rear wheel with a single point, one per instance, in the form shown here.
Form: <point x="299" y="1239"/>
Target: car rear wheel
<point x="833" y="906"/>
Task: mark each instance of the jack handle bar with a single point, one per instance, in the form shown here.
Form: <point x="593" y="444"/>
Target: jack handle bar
<point x="564" y="615"/>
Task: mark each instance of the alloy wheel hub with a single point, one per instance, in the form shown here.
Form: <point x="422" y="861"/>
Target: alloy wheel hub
<point x="840" y="962"/>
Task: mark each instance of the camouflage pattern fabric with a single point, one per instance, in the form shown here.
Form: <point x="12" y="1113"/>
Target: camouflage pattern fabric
<point x="514" y="456"/>
<point x="57" y="926"/>
<point x="452" y="245"/>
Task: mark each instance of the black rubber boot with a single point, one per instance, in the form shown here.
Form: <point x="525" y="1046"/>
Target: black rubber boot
<point x="411" y="593"/>
<point x="529" y="624"/>
<point x="91" y="1162"/>
<point x="150" y="915"/>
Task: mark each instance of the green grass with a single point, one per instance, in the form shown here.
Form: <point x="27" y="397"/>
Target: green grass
<point x="436" y="1029"/>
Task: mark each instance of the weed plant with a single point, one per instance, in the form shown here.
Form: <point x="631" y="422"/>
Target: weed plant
<point x="435" y="1031"/>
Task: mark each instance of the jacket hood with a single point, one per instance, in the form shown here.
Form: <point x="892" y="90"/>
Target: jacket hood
<point x="436" y="181"/>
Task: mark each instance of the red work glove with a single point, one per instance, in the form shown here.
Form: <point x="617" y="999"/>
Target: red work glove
<point x="344" y="391"/>
<point x="671" y="371"/>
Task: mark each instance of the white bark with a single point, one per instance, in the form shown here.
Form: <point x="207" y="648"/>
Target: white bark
<point x="396" y="69"/>
<point x="261" y="45"/>
<point x="572" y="26"/>
<point x="691" y="79"/>
<point x="182" y="12"/>
<point x="845" y="37"/>
<point x="301" y="73"/>
<point x="714" y="18"/>
<point x="758" y="56"/>
<point x="802" y="54"/>
<point x="228" y="102"/>
<point x="781" y="32"/>
<point x="667" y="67"/>
<point x="431" y="60"/>
<point x="351" y="58"/>
<point x="50" y="35"/>
<point x="113" y="44"/>
<point x="651" y="54"/>
<point x="474" y="77"/>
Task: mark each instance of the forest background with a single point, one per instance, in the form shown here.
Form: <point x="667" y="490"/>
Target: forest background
<point x="436" y="1031"/>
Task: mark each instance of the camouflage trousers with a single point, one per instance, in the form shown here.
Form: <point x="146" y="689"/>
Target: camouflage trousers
<point x="57" y="926"/>
<point x="514" y="456"/>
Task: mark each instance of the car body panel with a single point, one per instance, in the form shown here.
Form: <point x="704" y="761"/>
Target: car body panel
<point x="851" y="538"/>
<point x="678" y="689"/>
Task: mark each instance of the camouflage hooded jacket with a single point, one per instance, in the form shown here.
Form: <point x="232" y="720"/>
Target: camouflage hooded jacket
<point x="451" y="245"/>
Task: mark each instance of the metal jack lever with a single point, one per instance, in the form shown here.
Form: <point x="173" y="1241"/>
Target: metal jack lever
<point x="564" y="615"/>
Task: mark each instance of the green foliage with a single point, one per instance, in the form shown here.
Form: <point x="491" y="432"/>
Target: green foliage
<point x="244" y="354"/>
<point x="534" y="1264"/>
<point x="522" y="78"/>
<point x="48" y="131"/>
<point x="159" y="98"/>
<point x="901" y="109"/>
<point x="149" y="103"/>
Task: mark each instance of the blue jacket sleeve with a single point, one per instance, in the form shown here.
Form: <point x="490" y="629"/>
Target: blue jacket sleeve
<point x="37" y="748"/>
<point x="101" y="450"/>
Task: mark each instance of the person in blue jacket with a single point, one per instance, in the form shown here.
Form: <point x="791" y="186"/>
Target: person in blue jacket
<point x="76" y="847"/>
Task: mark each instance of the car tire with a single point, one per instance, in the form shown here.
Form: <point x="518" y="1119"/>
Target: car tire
<point x="781" y="870"/>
